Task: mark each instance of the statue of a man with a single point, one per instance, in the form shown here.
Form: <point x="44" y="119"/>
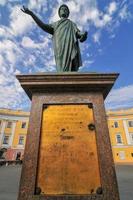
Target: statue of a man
<point x="65" y="38"/>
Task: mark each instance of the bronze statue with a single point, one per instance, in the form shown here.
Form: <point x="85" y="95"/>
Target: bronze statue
<point x="65" y="38"/>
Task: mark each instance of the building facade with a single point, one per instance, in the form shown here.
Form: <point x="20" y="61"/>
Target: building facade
<point x="120" y="125"/>
<point x="14" y="124"/>
<point x="13" y="131"/>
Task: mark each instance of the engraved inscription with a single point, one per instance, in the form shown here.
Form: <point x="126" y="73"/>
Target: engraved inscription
<point x="68" y="161"/>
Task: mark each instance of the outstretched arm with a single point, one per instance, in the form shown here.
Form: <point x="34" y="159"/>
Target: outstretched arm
<point x="42" y="25"/>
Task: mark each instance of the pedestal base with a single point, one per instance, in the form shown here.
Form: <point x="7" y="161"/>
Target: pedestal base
<point x="68" y="152"/>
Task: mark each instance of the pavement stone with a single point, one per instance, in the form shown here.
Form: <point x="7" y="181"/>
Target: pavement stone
<point x="10" y="177"/>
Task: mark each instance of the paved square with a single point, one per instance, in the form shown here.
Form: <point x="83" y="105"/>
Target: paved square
<point x="10" y="176"/>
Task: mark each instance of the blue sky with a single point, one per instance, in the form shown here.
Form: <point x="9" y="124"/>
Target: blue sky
<point x="25" y="48"/>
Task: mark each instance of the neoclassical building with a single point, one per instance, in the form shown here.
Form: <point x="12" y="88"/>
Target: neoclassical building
<point x="13" y="131"/>
<point x="120" y="125"/>
<point x="14" y="124"/>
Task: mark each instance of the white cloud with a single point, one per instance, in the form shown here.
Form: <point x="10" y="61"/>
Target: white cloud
<point x="106" y="19"/>
<point x="32" y="4"/>
<point x="1" y="60"/>
<point x="7" y="44"/>
<point x="11" y="57"/>
<point x="112" y="7"/>
<point x="20" y="22"/>
<point x="30" y="61"/>
<point x="122" y="97"/>
<point x="94" y="14"/>
<point x="3" y="2"/>
<point x="86" y="64"/>
<point x="40" y="52"/>
<point x="29" y="43"/>
<point x="5" y="32"/>
<point x="17" y="72"/>
<point x="10" y="51"/>
<point x="96" y="37"/>
<point x="38" y="5"/>
<point x="2" y="79"/>
<point x="12" y="96"/>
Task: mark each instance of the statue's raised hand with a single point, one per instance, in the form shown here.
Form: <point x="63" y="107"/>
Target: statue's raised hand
<point x="26" y="10"/>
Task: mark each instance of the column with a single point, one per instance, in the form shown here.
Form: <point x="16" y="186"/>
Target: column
<point x="126" y="131"/>
<point x="12" y="133"/>
<point x="3" y="125"/>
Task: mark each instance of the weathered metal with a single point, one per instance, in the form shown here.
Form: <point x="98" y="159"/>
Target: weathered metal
<point x="68" y="161"/>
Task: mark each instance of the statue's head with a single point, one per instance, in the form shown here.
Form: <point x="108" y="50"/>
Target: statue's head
<point x="63" y="11"/>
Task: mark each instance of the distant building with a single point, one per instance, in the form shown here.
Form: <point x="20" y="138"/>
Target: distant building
<point x="120" y="125"/>
<point x="14" y="124"/>
<point x="13" y="131"/>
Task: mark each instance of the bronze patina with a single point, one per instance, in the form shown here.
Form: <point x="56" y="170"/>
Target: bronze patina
<point x="65" y="39"/>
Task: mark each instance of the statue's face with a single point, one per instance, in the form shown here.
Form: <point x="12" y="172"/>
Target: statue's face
<point x="64" y="12"/>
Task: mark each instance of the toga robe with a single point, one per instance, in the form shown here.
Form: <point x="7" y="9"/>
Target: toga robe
<point x="66" y="46"/>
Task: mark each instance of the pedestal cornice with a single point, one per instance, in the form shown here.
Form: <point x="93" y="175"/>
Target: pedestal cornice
<point x="67" y="82"/>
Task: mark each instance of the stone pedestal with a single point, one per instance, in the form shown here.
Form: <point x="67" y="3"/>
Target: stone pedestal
<point x="68" y="152"/>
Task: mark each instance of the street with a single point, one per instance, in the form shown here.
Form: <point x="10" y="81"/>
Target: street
<point x="10" y="176"/>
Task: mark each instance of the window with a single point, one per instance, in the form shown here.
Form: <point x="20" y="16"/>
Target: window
<point x="23" y="125"/>
<point x="131" y="137"/>
<point x="130" y="123"/>
<point x="9" y="124"/>
<point x="116" y="124"/>
<point x="21" y="140"/>
<point x="6" y="140"/>
<point x="118" y="139"/>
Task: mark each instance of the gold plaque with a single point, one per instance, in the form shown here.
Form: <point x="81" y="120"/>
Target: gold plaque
<point x="68" y="161"/>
